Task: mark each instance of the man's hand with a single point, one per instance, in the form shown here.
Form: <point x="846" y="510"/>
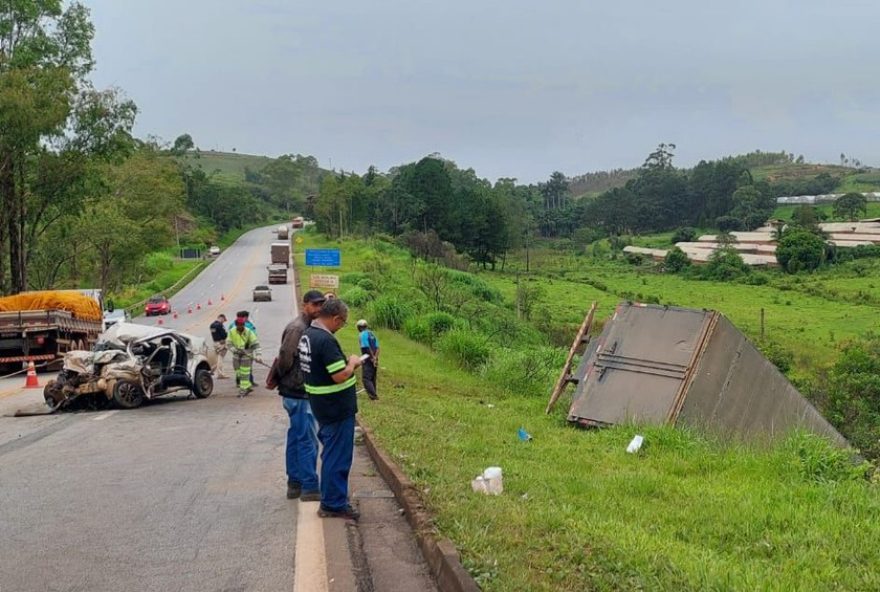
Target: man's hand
<point x="354" y="360"/>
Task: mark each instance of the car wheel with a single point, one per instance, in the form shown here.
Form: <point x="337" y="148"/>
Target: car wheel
<point x="52" y="393"/>
<point x="203" y="384"/>
<point x="128" y="394"/>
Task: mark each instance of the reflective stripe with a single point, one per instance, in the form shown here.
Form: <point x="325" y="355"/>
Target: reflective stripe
<point x="336" y="367"/>
<point x="329" y="390"/>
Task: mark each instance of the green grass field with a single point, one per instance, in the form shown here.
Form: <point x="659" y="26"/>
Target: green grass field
<point x="578" y="513"/>
<point x="228" y="166"/>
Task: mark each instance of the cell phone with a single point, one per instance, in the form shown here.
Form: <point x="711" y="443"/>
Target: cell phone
<point x="365" y="357"/>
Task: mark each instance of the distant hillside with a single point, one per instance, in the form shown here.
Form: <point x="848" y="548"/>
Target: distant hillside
<point x="789" y="177"/>
<point x="228" y="166"/>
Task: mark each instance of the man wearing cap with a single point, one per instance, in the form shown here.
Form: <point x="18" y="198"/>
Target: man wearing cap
<point x="369" y="344"/>
<point x="245" y="349"/>
<point x="330" y="383"/>
<point x="302" y="435"/>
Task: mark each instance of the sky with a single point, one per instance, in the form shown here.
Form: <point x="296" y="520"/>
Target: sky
<point x="510" y="88"/>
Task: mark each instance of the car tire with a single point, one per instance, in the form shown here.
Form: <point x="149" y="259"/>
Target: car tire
<point x="203" y="384"/>
<point x="128" y="394"/>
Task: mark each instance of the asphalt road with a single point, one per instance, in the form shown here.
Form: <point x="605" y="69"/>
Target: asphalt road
<point x="184" y="495"/>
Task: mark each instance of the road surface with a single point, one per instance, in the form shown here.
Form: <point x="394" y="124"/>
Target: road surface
<point x="186" y="495"/>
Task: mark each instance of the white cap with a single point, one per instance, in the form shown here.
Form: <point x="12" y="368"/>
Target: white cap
<point x="361" y="323"/>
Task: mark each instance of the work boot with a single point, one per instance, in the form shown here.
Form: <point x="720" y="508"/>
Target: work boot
<point x="310" y="495"/>
<point x="347" y="512"/>
<point x="293" y="490"/>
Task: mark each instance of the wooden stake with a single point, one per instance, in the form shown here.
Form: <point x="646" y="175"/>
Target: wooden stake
<point x="565" y="377"/>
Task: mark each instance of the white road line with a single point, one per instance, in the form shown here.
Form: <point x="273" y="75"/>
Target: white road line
<point x="310" y="565"/>
<point x="104" y="415"/>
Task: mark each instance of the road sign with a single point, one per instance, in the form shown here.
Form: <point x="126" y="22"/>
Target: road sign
<point x="323" y="257"/>
<point x="324" y="280"/>
<point x="299" y="240"/>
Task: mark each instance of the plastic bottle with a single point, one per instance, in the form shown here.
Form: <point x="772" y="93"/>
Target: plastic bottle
<point x="494" y="480"/>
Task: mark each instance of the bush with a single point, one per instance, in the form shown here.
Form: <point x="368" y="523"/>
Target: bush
<point x="724" y="265"/>
<point x="800" y="250"/>
<point x="353" y="278"/>
<point x="475" y="285"/>
<point x="853" y="394"/>
<point x="389" y="311"/>
<point x="779" y="356"/>
<point x="427" y="328"/>
<point x="728" y="223"/>
<point x="154" y="263"/>
<point x="529" y="372"/>
<point x="356" y="296"/>
<point x="684" y="235"/>
<point x="676" y="260"/>
<point x="367" y="284"/>
<point x="470" y="350"/>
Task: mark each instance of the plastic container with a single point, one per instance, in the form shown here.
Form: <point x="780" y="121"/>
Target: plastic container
<point x="635" y="444"/>
<point x="494" y="480"/>
<point x="479" y="485"/>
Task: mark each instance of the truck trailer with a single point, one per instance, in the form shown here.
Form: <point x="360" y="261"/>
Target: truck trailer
<point x="42" y="326"/>
<point x="281" y="253"/>
<point x="282" y="233"/>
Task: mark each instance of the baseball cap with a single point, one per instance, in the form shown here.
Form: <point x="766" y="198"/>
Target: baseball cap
<point x="313" y="296"/>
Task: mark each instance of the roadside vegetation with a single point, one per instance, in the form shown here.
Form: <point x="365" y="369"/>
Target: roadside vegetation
<point x="468" y="359"/>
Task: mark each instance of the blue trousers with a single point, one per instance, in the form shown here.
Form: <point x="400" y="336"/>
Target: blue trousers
<point x="336" y="456"/>
<point x="302" y="444"/>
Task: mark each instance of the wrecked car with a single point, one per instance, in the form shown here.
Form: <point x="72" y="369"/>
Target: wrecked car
<point x="130" y="364"/>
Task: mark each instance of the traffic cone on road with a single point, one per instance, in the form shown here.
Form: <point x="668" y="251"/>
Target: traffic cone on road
<point x="31" y="381"/>
<point x="198" y="307"/>
<point x="210" y="303"/>
<point x="189" y="310"/>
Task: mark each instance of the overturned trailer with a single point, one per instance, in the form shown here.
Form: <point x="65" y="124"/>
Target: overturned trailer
<point x="668" y="365"/>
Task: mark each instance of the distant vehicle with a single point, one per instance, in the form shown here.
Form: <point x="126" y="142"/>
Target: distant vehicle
<point x="214" y="251"/>
<point x="282" y="233"/>
<point x="262" y="294"/>
<point x="277" y="274"/>
<point x="281" y="253"/>
<point x="133" y="363"/>
<point x="157" y="305"/>
<point x="297" y="222"/>
<point x="111" y="317"/>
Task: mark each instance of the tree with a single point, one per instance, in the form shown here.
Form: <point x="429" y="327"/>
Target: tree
<point x="751" y="207"/>
<point x="182" y="144"/>
<point x="555" y="191"/>
<point x="800" y="250"/>
<point x="47" y="106"/>
<point x="675" y="260"/>
<point x="850" y="205"/>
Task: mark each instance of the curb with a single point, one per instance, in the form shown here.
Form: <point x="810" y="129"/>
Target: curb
<point x="440" y="554"/>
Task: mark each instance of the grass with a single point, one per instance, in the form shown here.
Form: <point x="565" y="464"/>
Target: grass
<point x="578" y="513"/>
<point x="229" y="166"/>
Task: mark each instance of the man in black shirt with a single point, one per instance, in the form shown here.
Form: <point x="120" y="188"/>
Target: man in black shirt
<point x="218" y="336"/>
<point x="301" y="458"/>
<point x="330" y="383"/>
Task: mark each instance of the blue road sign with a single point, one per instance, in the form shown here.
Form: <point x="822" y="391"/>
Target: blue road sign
<point x="323" y="257"/>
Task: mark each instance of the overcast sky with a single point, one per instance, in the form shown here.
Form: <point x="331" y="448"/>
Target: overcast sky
<point x="511" y="88"/>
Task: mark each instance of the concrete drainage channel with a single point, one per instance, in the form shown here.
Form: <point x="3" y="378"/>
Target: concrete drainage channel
<point x="440" y="554"/>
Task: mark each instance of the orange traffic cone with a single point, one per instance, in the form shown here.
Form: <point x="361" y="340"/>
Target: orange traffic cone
<point x="198" y="307"/>
<point x="189" y="310"/>
<point x="210" y="303"/>
<point x="31" y="381"/>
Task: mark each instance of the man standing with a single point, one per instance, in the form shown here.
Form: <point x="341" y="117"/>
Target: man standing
<point x="369" y="344"/>
<point x="218" y="335"/>
<point x="245" y="349"/>
<point x="302" y="435"/>
<point x="330" y="383"/>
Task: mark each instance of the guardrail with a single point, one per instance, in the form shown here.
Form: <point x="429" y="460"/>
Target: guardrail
<point x="132" y="309"/>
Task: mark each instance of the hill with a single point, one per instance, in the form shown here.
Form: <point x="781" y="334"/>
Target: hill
<point x="229" y="166"/>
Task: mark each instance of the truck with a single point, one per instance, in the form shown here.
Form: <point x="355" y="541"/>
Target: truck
<point x="41" y="327"/>
<point x="282" y="233"/>
<point x="277" y="274"/>
<point x="297" y="222"/>
<point x="281" y="253"/>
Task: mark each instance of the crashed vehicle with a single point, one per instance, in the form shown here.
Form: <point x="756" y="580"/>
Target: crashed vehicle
<point x="130" y="364"/>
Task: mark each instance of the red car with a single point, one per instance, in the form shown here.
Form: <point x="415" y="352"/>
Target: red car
<point x="157" y="305"/>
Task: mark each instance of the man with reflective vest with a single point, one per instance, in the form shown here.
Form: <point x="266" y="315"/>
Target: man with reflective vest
<point x="330" y="383"/>
<point x="245" y="349"/>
